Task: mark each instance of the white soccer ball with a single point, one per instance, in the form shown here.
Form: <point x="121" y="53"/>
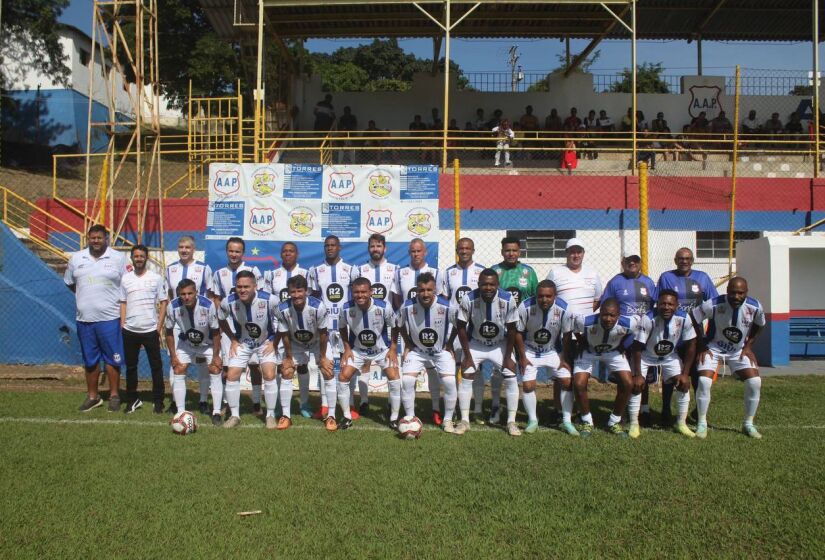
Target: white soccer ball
<point x="184" y="423"/>
<point x="410" y="427"/>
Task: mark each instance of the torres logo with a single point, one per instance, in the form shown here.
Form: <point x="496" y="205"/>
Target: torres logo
<point x="379" y="221"/>
<point x="341" y="184"/>
<point x="419" y="221"/>
<point x="227" y="181"/>
<point x="264" y="181"/>
<point x="300" y="220"/>
<point x="705" y="98"/>
<point x="380" y="184"/>
<point x="261" y="220"/>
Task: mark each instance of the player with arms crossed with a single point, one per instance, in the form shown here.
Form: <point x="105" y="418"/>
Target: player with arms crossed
<point x="657" y="335"/>
<point x="735" y="321"/>
<point x="425" y="328"/>
<point x="543" y="321"/>
<point x="302" y="327"/>
<point x="364" y="327"/>
<point x="486" y="326"/>
<point x="192" y="317"/>
<point x="250" y="336"/>
<point x="601" y="338"/>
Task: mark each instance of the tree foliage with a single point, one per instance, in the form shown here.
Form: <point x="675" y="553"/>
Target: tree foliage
<point x="32" y="26"/>
<point x="544" y="83"/>
<point x="648" y="80"/>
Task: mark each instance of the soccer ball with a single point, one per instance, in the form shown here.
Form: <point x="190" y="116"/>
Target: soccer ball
<point x="410" y="428"/>
<point x="184" y="423"/>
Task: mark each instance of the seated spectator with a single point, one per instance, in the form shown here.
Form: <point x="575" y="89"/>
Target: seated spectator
<point x="417" y="124"/>
<point x="659" y="124"/>
<point x="434" y="118"/>
<point x="572" y="122"/>
<point x="749" y="124"/>
<point x="480" y="120"/>
<point x="773" y="125"/>
<point x="700" y="124"/>
<point x="591" y="125"/>
<point x="627" y="120"/>
<point x="529" y="123"/>
<point x="371" y="142"/>
<point x="347" y="124"/>
<point x="553" y="122"/>
<point x="721" y="124"/>
<point x="645" y="146"/>
<point x="794" y="125"/>
<point x="605" y="123"/>
<point x="493" y="122"/>
<point x="641" y="123"/>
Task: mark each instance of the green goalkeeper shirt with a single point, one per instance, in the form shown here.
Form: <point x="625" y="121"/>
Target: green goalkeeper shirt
<point x="520" y="280"/>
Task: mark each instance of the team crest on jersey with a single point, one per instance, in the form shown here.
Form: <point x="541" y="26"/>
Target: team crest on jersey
<point x="379" y="221"/>
<point x="265" y="181"/>
<point x="116" y="357"/>
<point x="694" y="288"/>
<point x="227" y="182"/>
<point x="380" y="183"/>
<point x="522" y="281"/>
<point x="300" y="221"/>
<point x="419" y="221"/>
<point x="261" y="220"/>
<point x="341" y="184"/>
<point x="643" y="291"/>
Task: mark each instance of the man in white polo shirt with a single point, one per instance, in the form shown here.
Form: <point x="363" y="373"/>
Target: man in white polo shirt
<point x="142" y="311"/>
<point x="94" y="275"/>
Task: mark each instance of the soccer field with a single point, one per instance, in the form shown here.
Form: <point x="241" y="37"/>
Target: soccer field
<point x="118" y="486"/>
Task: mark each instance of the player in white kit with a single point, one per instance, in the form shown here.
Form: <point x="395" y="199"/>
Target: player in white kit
<point x="247" y="318"/>
<point x="406" y="281"/>
<point x="275" y="282"/>
<point x="735" y="321"/>
<point x="425" y="327"/>
<point x="543" y="322"/>
<point x="658" y="334"/>
<point x="302" y="327"/>
<point x="368" y="332"/>
<point x="382" y="275"/>
<point x="486" y="325"/>
<point x="601" y="338"/>
<point x="193" y="336"/>
<point x="459" y="280"/>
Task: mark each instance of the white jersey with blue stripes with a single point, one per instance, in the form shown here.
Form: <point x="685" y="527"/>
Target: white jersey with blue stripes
<point x="275" y="280"/>
<point x="729" y="326"/>
<point x="251" y="324"/>
<point x="223" y="281"/>
<point x="303" y="326"/>
<point x="333" y="283"/>
<point x="459" y="281"/>
<point x="540" y="328"/>
<point x="661" y="337"/>
<point x="428" y="327"/>
<point x="382" y="278"/>
<point x="195" y="325"/>
<point x="368" y="330"/>
<point x="407" y="278"/>
<point x="487" y="321"/>
<point x="600" y="340"/>
<point x="200" y="273"/>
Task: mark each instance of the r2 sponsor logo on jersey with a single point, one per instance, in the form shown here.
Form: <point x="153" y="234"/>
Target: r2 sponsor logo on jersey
<point x="601" y="348"/>
<point x="379" y="291"/>
<point x="488" y="330"/>
<point x="367" y="338"/>
<point x="733" y="334"/>
<point x="663" y="348"/>
<point x="542" y="337"/>
<point x="341" y="184"/>
<point x="253" y="329"/>
<point x="428" y="337"/>
<point x="335" y="293"/>
<point x="303" y="336"/>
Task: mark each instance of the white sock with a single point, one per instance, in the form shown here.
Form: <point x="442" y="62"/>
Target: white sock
<point x="450" y="396"/>
<point x="753" y="389"/>
<point x="395" y="397"/>
<point x="434" y="383"/>
<point x="613" y="420"/>
<point x="179" y="392"/>
<point x="271" y="396"/>
<point x="343" y="399"/>
<point x="256" y="394"/>
<point x="530" y="401"/>
<point x="587" y="418"/>
<point x="322" y="387"/>
<point x="203" y="382"/>
<point x="331" y="391"/>
<point x="216" y="388"/>
<point x="408" y="393"/>
<point x="703" y="398"/>
<point x="286" y="391"/>
<point x="465" y="393"/>
<point x="303" y="388"/>
<point x="511" y="394"/>
<point x="566" y="398"/>
<point x="232" y="392"/>
<point x="353" y="385"/>
<point x="495" y="388"/>
<point x="478" y="393"/>
<point x="683" y="403"/>
<point x="364" y="388"/>
<point x="633" y="408"/>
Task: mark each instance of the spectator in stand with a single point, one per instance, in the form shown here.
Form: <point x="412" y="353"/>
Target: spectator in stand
<point x="370" y="135"/>
<point x="504" y="136"/>
<point x="347" y="125"/>
<point x="605" y="123"/>
<point x="721" y="124"/>
<point x="553" y="122"/>
<point x="795" y="131"/>
<point x="749" y="124"/>
<point x="645" y="149"/>
<point x="495" y="121"/>
<point x="591" y="125"/>
<point x="572" y="122"/>
<point x="773" y="127"/>
<point x="434" y="118"/>
<point x="480" y="121"/>
<point x="324" y="114"/>
<point x="659" y="124"/>
<point x="627" y="120"/>
<point x="700" y="124"/>
<point x="569" y="158"/>
<point x="641" y="123"/>
<point x="529" y="124"/>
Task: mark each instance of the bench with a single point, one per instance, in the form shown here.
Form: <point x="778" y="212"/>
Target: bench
<point x="807" y="336"/>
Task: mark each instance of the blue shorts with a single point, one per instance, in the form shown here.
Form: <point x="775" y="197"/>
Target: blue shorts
<point x="101" y="340"/>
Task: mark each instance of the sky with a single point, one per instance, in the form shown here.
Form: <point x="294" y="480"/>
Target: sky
<point x="539" y="55"/>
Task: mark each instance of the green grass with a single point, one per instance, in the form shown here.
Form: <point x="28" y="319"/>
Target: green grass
<point x="117" y="486"/>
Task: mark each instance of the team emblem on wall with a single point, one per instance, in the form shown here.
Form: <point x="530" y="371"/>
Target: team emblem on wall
<point x="379" y="221"/>
<point x="264" y="182"/>
<point x="227" y="182"/>
<point x="705" y="98"/>
<point x="300" y="220"/>
<point x="380" y="184"/>
<point x="261" y="220"/>
<point x="419" y="221"/>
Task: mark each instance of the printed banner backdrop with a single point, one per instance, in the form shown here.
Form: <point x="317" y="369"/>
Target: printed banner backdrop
<point x="267" y="204"/>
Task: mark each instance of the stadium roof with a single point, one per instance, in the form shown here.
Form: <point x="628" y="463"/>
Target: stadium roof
<point x="740" y="20"/>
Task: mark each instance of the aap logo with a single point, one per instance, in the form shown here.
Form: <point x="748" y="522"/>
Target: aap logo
<point x="379" y="221"/>
<point x="227" y="182"/>
<point x="261" y="220"/>
<point x="341" y="184"/>
<point x="705" y="98"/>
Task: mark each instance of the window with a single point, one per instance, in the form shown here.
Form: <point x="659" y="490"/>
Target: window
<point x="84" y="57"/>
<point x="542" y="244"/>
<point x="714" y="244"/>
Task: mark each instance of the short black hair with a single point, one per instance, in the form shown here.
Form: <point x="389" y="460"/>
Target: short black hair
<point x="245" y="274"/>
<point x="377" y="237"/>
<point x="487" y="272"/>
<point x="361" y="281"/>
<point x="285" y="243"/>
<point x="509" y="240"/>
<point x="668" y="292"/>
<point x="186" y="283"/>
<point x="236" y="240"/>
<point x="425" y="278"/>
<point x="329" y="237"/>
<point x="546" y="284"/>
<point x="610" y="302"/>
<point x="139" y="247"/>
<point x="98" y="228"/>
<point x="298" y="282"/>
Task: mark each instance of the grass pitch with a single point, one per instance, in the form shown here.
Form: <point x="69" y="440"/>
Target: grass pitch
<point x="118" y="486"/>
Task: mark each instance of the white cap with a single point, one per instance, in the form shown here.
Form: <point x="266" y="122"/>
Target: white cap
<point x="628" y="254"/>
<point x="573" y="242"/>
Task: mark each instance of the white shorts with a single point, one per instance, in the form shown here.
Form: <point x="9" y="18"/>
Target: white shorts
<point x="670" y="367"/>
<point x="226" y="344"/>
<point x="301" y="357"/>
<point x="188" y="354"/>
<point x="334" y="342"/>
<point x="246" y="354"/>
<point x="615" y="361"/>
<point x="417" y="360"/>
<point x="736" y="361"/>
<point x="549" y="360"/>
<point x="359" y="359"/>
<point x="481" y="353"/>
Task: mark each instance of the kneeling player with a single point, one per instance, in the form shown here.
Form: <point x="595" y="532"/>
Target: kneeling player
<point x="251" y="313"/>
<point x="302" y="327"/>
<point x="543" y="320"/>
<point x="425" y="325"/>
<point x="736" y="320"/>
<point x="197" y="325"/>
<point x="601" y="339"/>
<point x="364" y="334"/>
<point x="492" y="315"/>
<point x="658" y="334"/>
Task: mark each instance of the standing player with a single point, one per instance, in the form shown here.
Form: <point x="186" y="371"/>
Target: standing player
<point x="368" y="332"/>
<point x="407" y="281"/>
<point x="542" y="322"/>
<point x="223" y="285"/>
<point x="658" y="333"/>
<point x="246" y="318"/>
<point x="425" y="327"/>
<point x="693" y="287"/>
<point x="520" y="280"/>
<point x="601" y="338"/>
<point x="275" y="282"/>
<point x="486" y="326"/>
<point x="302" y="326"/>
<point x="201" y="274"/>
<point x="193" y="318"/>
<point x="459" y="280"/>
<point x="330" y="282"/>
<point x="94" y="275"/>
<point x="141" y="293"/>
<point x="635" y="293"/>
<point x="735" y="322"/>
<point x="382" y="276"/>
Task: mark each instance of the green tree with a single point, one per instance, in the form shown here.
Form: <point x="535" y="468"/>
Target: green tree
<point x="648" y="80"/>
<point x="802" y="91"/>
<point x="544" y="83"/>
<point x="32" y="26"/>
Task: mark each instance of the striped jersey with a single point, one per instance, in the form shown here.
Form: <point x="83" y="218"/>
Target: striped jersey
<point x="600" y="340"/>
<point x="487" y="321"/>
<point x="458" y="282"/>
<point x="275" y="280"/>
<point x="428" y="327"/>
<point x="728" y="325"/>
<point x="382" y="278"/>
<point x="542" y="329"/>
<point x="407" y="277"/>
<point x="252" y="324"/>
<point x="195" y="325"/>
<point x="223" y="281"/>
<point x="368" y="330"/>
<point x="333" y="283"/>
<point x="302" y="325"/>
<point x="659" y="337"/>
<point x="635" y="295"/>
<point x="200" y="273"/>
